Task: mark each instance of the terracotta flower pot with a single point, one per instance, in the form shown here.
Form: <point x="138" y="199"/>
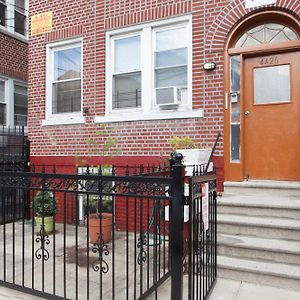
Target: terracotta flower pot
<point x="94" y="227"/>
<point x="48" y="223"/>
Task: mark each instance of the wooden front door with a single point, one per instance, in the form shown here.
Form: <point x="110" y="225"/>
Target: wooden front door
<point x="272" y="117"/>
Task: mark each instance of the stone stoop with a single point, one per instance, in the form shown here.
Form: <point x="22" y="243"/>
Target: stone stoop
<point x="259" y="233"/>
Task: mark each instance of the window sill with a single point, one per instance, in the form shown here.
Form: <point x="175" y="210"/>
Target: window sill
<point x="163" y="115"/>
<point x="63" y="120"/>
<point x="15" y="35"/>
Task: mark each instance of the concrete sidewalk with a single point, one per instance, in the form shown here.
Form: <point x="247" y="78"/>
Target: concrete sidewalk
<point x="237" y="290"/>
<point x="224" y="290"/>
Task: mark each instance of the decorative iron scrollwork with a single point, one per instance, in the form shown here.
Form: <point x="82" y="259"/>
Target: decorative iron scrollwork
<point x="196" y="189"/>
<point x="212" y="185"/>
<point x="101" y="248"/>
<point x="43" y="238"/>
<point x="142" y="241"/>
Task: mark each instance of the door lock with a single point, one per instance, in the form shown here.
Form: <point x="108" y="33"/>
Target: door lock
<point x="247" y="113"/>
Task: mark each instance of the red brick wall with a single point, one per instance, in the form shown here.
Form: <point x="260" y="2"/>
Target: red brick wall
<point x="212" y="21"/>
<point x="13" y="57"/>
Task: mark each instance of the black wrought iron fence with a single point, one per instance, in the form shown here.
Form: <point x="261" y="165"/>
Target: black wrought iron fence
<point x="202" y="235"/>
<point x="14" y="148"/>
<point x="14" y="156"/>
<point x="106" y="236"/>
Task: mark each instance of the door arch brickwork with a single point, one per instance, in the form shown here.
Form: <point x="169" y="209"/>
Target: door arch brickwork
<point x="233" y="13"/>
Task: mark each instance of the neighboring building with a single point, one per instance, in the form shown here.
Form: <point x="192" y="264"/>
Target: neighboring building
<point x="137" y="66"/>
<point x="13" y="62"/>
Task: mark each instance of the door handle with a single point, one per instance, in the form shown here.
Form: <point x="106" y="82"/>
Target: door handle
<point x="247" y="113"/>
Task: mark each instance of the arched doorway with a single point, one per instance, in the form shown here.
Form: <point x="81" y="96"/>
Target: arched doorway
<point x="262" y="103"/>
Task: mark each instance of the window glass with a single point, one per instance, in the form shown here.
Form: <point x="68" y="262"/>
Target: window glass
<point x="235" y="73"/>
<point x="268" y="33"/>
<point x="66" y="96"/>
<point x="127" y="54"/>
<point x="272" y="84"/>
<point x="67" y="64"/>
<point x="127" y="90"/>
<point x="235" y="86"/>
<point x="20" y="17"/>
<point x="2" y="13"/>
<point x="171" y="39"/>
<point x="66" y="85"/>
<point x="235" y="142"/>
<point x="20" y="5"/>
<point x="20" y="105"/>
<point x="2" y="99"/>
<point x="2" y="114"/>
<point x="171" y="77"/>
<point x="171" y="63"/>
<point x="171" y="58"/>
<point x="127" y="78"/>
<point x="20" y="21"/>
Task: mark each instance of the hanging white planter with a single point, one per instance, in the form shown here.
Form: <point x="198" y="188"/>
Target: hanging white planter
<point x="193" y="157"/>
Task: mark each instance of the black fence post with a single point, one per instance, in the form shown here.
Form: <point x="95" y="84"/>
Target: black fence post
<point x="26" y="168"/>
<point x="176" y="229"/>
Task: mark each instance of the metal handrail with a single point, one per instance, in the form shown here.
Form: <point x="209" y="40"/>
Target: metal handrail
<point x="212" y="151"/>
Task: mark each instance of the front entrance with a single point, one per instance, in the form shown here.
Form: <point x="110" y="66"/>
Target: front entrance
<point x="262" y="101"/>
<point x="272" y="117"/>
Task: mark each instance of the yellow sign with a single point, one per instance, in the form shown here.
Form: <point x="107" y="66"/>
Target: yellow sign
<point x="41" y="23"/>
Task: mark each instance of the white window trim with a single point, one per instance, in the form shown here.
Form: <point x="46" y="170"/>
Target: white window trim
<point x="9" y="84"/>
<point x="148" y="111"/>
<point x="9" y="28"/>
<point x="61" y="118"/>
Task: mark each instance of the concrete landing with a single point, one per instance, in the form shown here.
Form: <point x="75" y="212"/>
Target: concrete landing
<point x="239" y="290"/>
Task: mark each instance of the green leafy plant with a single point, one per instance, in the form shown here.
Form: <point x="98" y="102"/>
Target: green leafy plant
<point x="182" y="142"/>
<point x="44" y="203"/>
<point x="106" y="203"/>
<point x="94" y="204"/>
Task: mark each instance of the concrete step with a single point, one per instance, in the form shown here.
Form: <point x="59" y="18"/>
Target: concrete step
<point x="274" y="274"/>
<point x="263" y="187"/>
<point x="256" y="205"/>
<point x="280" y="251"/>
<point x="265" y="227"/>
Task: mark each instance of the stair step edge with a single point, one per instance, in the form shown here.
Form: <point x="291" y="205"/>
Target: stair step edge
<point x="276" y="269"/>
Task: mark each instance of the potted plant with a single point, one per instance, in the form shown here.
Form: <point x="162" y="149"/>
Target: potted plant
<point x="100" y="212"/>
<point x="44" y="206"/>
<point x="193" y="153"/>
<point x="100" y="218"/>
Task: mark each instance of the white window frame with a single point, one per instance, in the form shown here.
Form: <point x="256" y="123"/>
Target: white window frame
<point x="61" y="118"/>
<point x="9" y="28"/>
<point x="148" y="109"/>
<point x="9" y="84"/>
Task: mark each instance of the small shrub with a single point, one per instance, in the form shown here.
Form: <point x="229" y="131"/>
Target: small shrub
<point x="44" y="203"/>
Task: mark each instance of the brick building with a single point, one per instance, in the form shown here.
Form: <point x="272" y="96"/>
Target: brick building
<point x="13" y="62"/>
<point x="137" y="66"/>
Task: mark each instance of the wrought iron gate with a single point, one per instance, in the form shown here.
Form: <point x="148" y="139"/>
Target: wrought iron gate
<point x="144" y="249"/>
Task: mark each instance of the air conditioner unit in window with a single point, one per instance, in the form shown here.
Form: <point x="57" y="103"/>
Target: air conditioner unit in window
<point x="168" y="96"/>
